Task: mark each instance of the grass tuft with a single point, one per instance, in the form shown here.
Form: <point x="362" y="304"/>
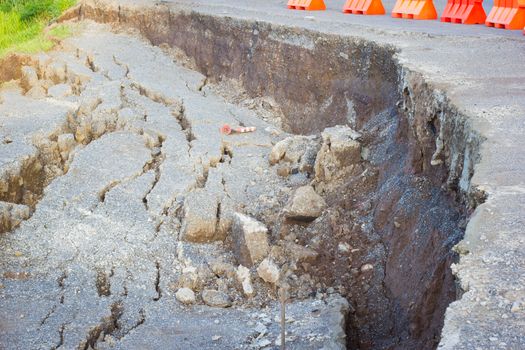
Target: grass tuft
<point x="22" y="24"/>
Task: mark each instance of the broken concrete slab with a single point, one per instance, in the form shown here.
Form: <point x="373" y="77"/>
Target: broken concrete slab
<point x="200" y="217"/>
<point x="304" y="205"/>
<point x="268" y="271"/>
<point x="216" y="298"/>
<point x="250" y="238"/>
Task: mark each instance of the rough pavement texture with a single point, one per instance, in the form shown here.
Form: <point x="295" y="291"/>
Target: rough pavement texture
<point x="117" y="169"/>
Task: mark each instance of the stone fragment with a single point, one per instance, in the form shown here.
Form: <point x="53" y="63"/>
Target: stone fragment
<point x="343" y="247"/>
<point x="195" y="278"/>
<point x="216" y="298"/>
<point x="200" y="217"/>
<point x="300" y="253"/>
<point x="36" y="92"/>
<point x="339" y="152"/>
<point x="297" y="152"/>
<point x="516" y="306"/>
<point x="29" y="78"/>
<point x="250" y="239"/>
<point x="268" y="271"/>
<point x="243" y="277"/>
<point x="56" y="72"/>
<point x="305" y="205"/>
<point x="185" y="296"/>
<point x="367" y="267"/>
<point x="221" y="268"/>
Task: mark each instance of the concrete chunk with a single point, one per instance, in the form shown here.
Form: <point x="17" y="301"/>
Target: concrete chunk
<point x="250" y="238"/>
<point x="29" y="78"/>
<point x="200" y="217"/>
<point x="243" y="277"/>
<point x="185" y="296"/>
<point x="339" y="151"/>
<point x="305" y="205"/>
<point x="216" y="298"/>
<point x="268" y="271"/>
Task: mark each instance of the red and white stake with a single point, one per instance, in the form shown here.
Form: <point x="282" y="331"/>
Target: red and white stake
<point x="227" y="130"/>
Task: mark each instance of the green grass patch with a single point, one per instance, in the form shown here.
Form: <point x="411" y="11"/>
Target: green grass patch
<point x="22" y="24"/>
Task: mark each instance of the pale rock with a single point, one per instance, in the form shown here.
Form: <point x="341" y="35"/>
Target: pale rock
<point x="29" y="78"/>
<point x="339" y="152"/>
<point x="185" y="296"/>
<point x="244" y="278"/>
<point x="297" y="152"/>
<point x="250" y="239"/>
<point x="56" y="72"/>
<point x="221" y="268"/>
<point x="268" y="271"/>
<point x="305" y="205"/>
<point x="343" y="247"/>
<point x="200" y="217"/>
<point x="36" y="92"/>
<point x="367" y="267"/>
<point x="216" y="298"/>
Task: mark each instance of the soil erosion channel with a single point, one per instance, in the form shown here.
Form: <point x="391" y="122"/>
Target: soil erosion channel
<point x="130" y="221"/>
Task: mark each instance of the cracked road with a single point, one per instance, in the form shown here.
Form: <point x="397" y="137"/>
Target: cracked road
<point x="128" y="185"/>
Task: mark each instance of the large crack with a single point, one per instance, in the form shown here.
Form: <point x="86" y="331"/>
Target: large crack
<point x="108" y="325"/>
<point x="103" y="282"/>
<point x="157" y="160"/>
<point x="184" y="123"/>
<point x="157" y="282"/>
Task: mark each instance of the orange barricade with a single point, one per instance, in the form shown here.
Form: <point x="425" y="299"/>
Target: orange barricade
<point x="308" y="5"/>
<point x="464" y="11"/>
<point x="364" y="7"/>
<point x="508" y="14"/>
<point x="414" y="9"/>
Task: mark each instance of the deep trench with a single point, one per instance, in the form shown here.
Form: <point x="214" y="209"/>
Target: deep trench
<point x="413" y="207"/>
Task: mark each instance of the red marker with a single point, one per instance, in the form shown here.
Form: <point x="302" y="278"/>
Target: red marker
<point x="227" y="130"/>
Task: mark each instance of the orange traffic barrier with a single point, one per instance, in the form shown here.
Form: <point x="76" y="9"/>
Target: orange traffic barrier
<point x="364" y="7"/>
<point x="464" y="11"/>
<point x="308" y="5"/>
<point x="508" y="14"/>
<point x="414" y="9"/>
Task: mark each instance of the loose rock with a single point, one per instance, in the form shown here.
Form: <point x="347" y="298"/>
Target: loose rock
<point x="268" y="271"/>
<point x="339" y="153"/>
<point x="251" y="239"/>
<point x="29" y="78"/>
<point x="215" y="298"/>
<point x="200" y="217"/>
<point x="244" y="278"/>
<point x="305" y="205"/>
<point x="297" y="152"/>
<point x="185" y="296"/>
